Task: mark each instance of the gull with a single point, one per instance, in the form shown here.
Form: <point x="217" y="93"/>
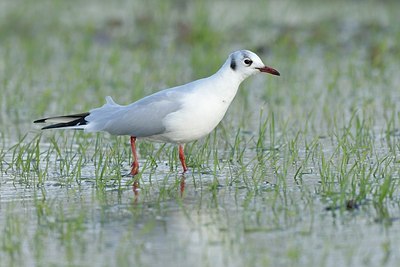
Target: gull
<point x="176" y="115"/>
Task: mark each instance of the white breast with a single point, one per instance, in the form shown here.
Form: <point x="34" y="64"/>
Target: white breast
<point x="202" y="109"/>
<point x="197" y="118"/>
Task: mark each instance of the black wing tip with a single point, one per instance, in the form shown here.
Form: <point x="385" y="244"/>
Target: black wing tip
<point x="54" y="126"/>
<point x="80" y="120"/>
<point x="40" y="121"/>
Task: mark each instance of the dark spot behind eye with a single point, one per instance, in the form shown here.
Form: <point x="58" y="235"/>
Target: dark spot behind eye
<point x="233" y="64"/>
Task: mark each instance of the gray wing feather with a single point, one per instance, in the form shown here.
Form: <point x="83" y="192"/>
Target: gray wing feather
<point x="140" y="119"/>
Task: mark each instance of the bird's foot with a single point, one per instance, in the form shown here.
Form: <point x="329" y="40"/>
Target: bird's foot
<point x="132" y="173"/>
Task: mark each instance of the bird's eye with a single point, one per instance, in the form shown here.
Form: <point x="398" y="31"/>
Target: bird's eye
<point x="247" y="61"/>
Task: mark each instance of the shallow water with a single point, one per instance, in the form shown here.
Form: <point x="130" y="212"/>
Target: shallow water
<point x="198" y="219"/>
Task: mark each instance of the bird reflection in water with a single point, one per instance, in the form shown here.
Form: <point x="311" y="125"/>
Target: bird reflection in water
<point x="136" y="188"/>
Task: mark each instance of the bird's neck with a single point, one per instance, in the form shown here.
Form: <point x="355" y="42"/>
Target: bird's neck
<point x="225" y="83"/>
<point x="227" y="73"/>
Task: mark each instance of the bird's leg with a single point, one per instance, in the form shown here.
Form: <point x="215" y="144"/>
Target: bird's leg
<point x="135" y="164"/>
<point x="182" y="158"/>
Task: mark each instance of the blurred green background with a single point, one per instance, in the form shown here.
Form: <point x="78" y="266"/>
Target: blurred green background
<point x="65" y="56"/>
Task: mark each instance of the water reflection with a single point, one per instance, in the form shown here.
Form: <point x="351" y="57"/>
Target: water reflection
<point x="182" y="184"/>
<point x="136" y="188"/>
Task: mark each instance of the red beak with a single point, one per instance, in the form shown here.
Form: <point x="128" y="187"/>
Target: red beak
<point x="269" y="70"/>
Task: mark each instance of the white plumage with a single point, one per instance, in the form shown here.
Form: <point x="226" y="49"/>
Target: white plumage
<point x="177" y="115"/>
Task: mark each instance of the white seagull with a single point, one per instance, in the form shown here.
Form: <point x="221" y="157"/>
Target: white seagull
<point x="176" y="115"/>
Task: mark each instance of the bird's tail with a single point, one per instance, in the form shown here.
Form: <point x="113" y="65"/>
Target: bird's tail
<point x="74" y="121"/>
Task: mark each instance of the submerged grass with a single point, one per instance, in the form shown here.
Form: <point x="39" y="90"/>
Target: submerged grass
<point x="303" y="171"/>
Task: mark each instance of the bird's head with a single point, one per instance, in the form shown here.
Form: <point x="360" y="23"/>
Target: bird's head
<point x="246" y="63"/>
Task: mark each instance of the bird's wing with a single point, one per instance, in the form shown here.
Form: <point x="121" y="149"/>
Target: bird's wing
<point x="140" y="119"/>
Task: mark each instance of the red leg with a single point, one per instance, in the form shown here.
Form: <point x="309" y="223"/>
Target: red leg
<point x="135" y="164"/>
<point x="182" y="158"/>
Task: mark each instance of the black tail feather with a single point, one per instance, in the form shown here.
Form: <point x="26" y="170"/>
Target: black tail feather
<point x="76" y="119"/>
